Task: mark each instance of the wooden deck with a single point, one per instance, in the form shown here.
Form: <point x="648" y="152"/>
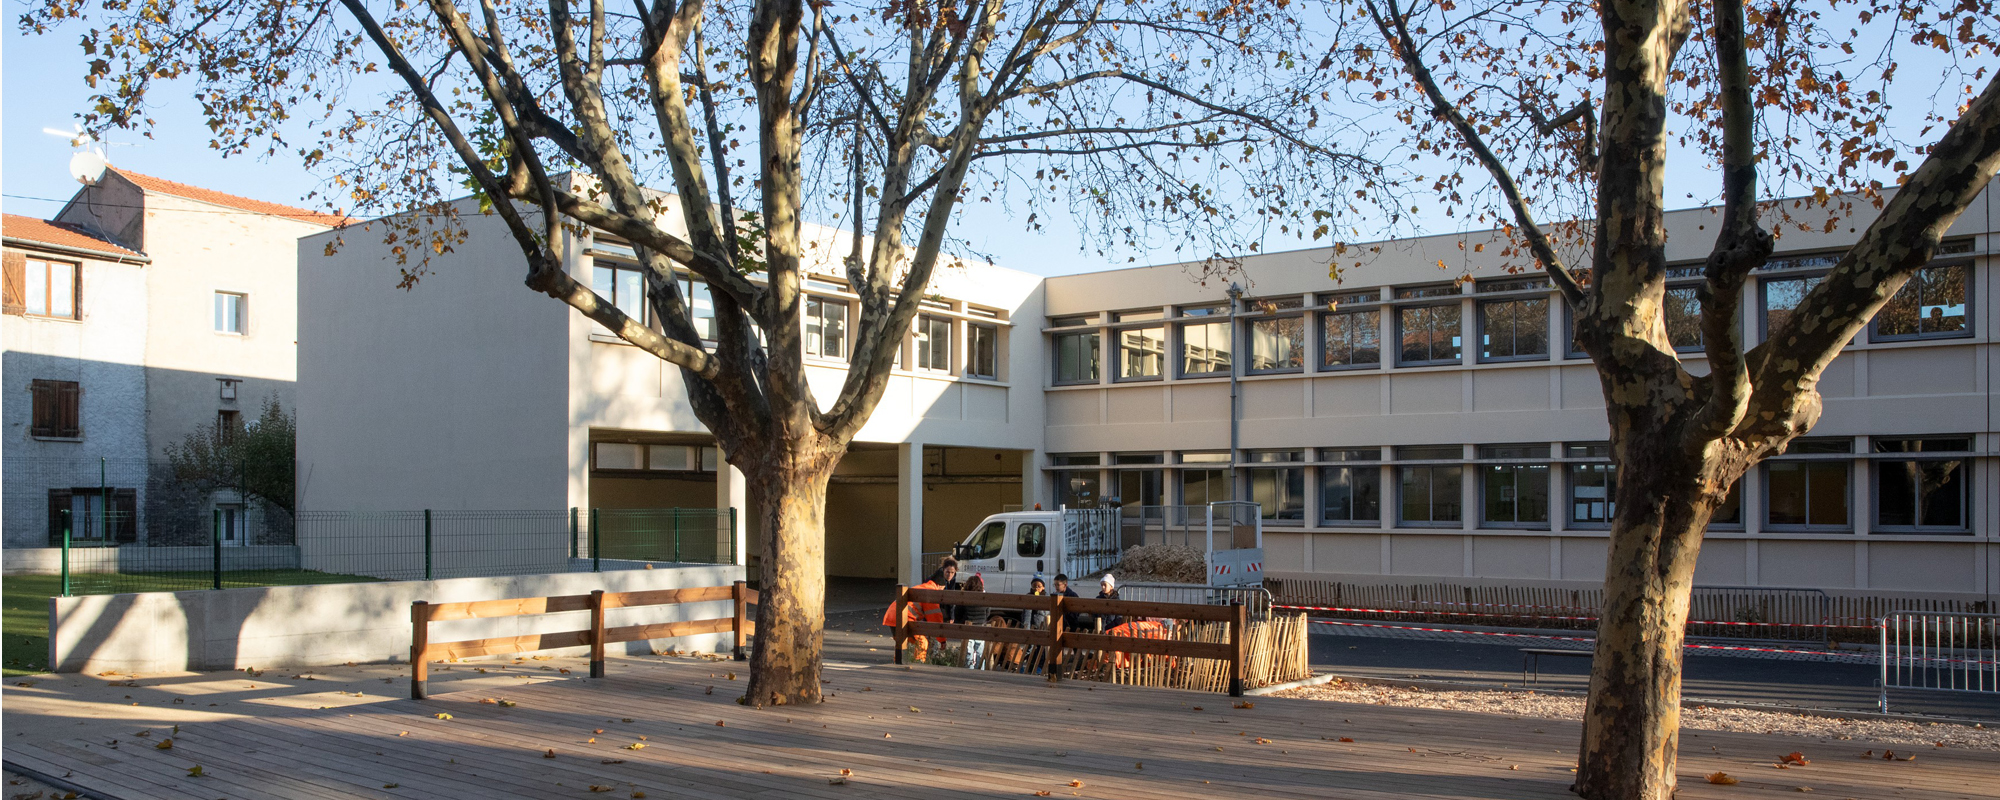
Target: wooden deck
<point x="925" y="734"/>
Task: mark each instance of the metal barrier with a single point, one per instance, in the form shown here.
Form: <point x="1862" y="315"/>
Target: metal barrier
<point x="1940" y="652"/>
<point x="1255" y="598"/>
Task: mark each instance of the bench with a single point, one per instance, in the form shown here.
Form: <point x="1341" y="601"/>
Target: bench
<point x="1531" y="659"/>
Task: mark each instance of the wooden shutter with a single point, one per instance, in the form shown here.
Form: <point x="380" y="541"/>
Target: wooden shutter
<point x="69" y="409"/>
<point x="14" y="287"/>
<point x="125" y="514"/>
<point x="58" y="503"/>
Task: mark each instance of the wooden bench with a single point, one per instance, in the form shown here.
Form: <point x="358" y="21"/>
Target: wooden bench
<point x="422" y="614"/>
<point x="1056" y="638"/>
<point x="1531" y="657"/>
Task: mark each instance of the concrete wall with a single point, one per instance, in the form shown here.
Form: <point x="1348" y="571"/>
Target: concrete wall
<point x="447" y="395"/>
<point x="1875" y="388"/>
<point x="104" y="351"/>
<point x="134" y="560"/>
<point x="304" y="626"/>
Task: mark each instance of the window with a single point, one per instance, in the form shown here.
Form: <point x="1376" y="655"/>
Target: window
<point x="619" y="455"/>
<point x="625" y="288"/>
<point x="1730" y="513"/>
<point x="58" y="407"/>
<point x="1514" y="495"/>
<point x="1428" y="334"/>
<point x="1429" y="494"/>
<point x="1201" y="486"/>
<point x="669" y="457"/>
<point x="43" y="289"/>
<point x="228" y="422"/>
<point x="1071" y="322"/>
<point x="1076" y="358"/>
<point x="1350" y="495"/>
<point x="1140" y="487"/>
<point x="93" y="514"/>
<point x="988" y="543"/>
<point x="1277" y="344"/>
<point x="701" y="307"/>
<point x="982" y="343"/>
<point x="1142" y="352"/>
<point x="1781" y="296"/>
<point x="1350" y="339"/>
<point x="826" y="328"/>
<point x="1204" y="348"/>
<point x="1031" y="540"/>
<point x="1076" y="488"/>
<point x="1931" y="305"/>
<point x="230" y="310"/>
<point x="1279" y="491"/>
<point x="934" y="343"/>
<point x="1514" y="330"/>
<point x="1147" y="315"/>
<point x="1922" y="494"/>
<point x="1808" y="494"/>
<point x="1682" y="310"/>
<point x="1593" y="488"/>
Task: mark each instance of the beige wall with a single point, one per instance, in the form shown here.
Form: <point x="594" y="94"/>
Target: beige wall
<point x="1939" y="387"/>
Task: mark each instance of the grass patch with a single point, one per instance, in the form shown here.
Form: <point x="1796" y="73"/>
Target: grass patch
<point x="24" y="630"/>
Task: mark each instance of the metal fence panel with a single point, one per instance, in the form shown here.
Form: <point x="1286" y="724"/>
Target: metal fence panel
<point x="1940" y="652"/>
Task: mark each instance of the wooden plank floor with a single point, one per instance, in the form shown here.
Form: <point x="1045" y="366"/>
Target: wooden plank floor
<point x="924" y="734"/>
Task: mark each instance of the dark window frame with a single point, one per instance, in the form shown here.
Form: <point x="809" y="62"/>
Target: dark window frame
<point x="978" y="364"/>
<point x="925" y="345"/>
<point x="1355" y="472"/>
<point x="1404" y="522"/>
<point x="816" y="309"/>
<point x="1764" y="296"/>
<point x="1095" y="357"/>
<point x="1118" y="351"/>
<point x="1374" y="328"/>
<point x="1180" y="345"/>
<point x="1300" y="350"/>
<point x="1966" y="331"/>
<point x="1847" y="497"/>
<point x="1481" y="332"/>
<point x="1458" y="309"/>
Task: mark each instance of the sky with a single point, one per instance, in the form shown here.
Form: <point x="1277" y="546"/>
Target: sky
<point x="41" y="83"/>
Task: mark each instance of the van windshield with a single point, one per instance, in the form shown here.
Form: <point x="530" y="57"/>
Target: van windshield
<point x="987" y="543"/>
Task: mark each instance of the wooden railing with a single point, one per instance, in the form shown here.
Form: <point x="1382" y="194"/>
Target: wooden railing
<point x="1057" y="638"/>
<point x="422" y="614"/>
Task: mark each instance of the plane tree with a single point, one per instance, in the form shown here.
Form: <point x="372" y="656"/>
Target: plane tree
<point x="1181" y="121"/>
<point x="1564" y="122"/>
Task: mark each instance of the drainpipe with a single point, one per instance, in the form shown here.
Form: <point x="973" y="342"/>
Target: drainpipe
<point x="1235" y="370"/>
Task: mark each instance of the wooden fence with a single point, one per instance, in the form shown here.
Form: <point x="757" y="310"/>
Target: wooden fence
<point x="422" y="614"/>
<point x="1230" y="649"/>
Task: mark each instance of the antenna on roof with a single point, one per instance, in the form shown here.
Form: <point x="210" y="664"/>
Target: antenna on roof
<point x="87" y="164"/>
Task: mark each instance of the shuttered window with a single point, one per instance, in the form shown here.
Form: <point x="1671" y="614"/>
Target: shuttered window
<point x="57" y="409"/>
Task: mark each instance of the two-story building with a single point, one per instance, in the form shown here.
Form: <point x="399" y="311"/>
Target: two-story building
<point x="1422" y="418"/>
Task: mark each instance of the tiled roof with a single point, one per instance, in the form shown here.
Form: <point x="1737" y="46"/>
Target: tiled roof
<point x="29" y="230"/>
<point x="163" y="186"/>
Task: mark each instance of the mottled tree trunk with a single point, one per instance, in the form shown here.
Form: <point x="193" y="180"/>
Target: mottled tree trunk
<point x="1631" y="725"/>
<point x="791" y="612"/>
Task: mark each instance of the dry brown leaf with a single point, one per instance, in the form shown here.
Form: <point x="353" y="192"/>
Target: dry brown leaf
<point x="612" y="761"/>
<point x="636" y="746"/>
<point x="638" y="795"/>
<point x="1722" y="779"/>
<point x="718" y="723"/>
<point x="599" y="730"/>
<point x="596" y="788"/>
<point x="591" y="740"/>
<point x="165" y="744"/>
<point x="1795" y="757"/>
<point x="550" y="753"/>
<point x="847" y="772"/>
<point x="1076" y="784"/>
<point x="1042" y="793"/>
<point x="442" y="715"/>
<point x="1348" y="739"/>
<point x="508" y="704"/>
<point x="1245" y="704"/>
<point x="488" y="701"/>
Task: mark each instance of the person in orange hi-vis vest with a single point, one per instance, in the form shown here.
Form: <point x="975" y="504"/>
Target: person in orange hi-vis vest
<point x="1138" y="628"/>
<point x="925" y="612"/>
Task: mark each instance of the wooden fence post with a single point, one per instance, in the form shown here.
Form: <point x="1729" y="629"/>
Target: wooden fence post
<point x="901" y="616"/>
<point x="420" y="640"/>
<point x="1055" y="635"/>
<point x="597" y="633"/>
<point x="740" y="593"/>
<point x="1239" y="629"/>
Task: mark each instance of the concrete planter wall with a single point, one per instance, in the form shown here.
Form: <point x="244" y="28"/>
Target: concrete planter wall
<point x="306" y="626"/>
<point x="140" y="559"/>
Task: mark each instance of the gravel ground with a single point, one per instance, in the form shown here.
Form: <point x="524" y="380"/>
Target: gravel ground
<point x="1569" y="707"/>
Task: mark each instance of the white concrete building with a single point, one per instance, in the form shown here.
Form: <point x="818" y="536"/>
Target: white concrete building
<point x="1399" y="426"/>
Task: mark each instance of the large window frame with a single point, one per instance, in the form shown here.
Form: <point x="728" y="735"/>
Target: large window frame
<point x="1821" y="465"/>
<point x="1076" y="357"/>
<point x="1274" y="337"/>
<point x="1202" y="342"/>
<point x="231" y="313"/>
<point x="1428" y="477"/>
<point x="1350" y="331"/>
<point x="1510" y="476"/>
<point x="932" y="343"/>
<point x="1439" y="336"/>
<point x="1350" y="491"/>
<point x="1915" y="294"/>
<point x="624" y="286"/>
<point x="1140" y="351"/>
<point x="1208" y="471"/>
<point x="1922" y="453"/>
<point x="982" y="351"/>
<point x="1808" y="280"/>
<point x="1512" y="311"/>
<point x="1276" y="480"/>
<point x="51" y="289"/>
<point x="825" y="334"/>
<point x="1083" y="486"/>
